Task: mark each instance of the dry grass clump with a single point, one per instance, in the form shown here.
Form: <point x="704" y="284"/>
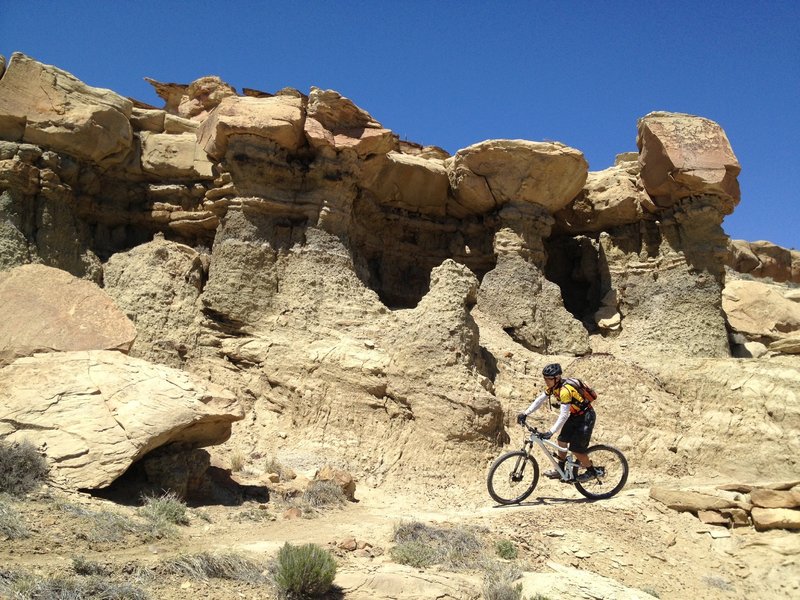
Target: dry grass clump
<point x="237" y="461"/>
<point x="272" y="465"/>
<point x="421" y="545"/>
<point x="305" y="571"/>
<point x="322" y="494"/>
<point x="498" y="582"/>
<point x="84" y="566"/>
<point x="162" y="513"/>
<point x="12" y="525"/>
<point x="159" y="517"/>
<point x="22" y="468"/>
<point x="101" y="525"/>
<point x="206" y="565"/>
<point x="24" y="586"/>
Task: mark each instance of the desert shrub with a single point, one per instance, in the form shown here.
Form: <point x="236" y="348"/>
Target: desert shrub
<point x="320" y="494"/>
<point x="451" y="547"/>
<point x="162" y="513"/>
<point x="102" y="525"/>
<point x="205" y="565"/>
<point x="237" y="462"/>
<point x="253" y="514"/>
<point x="22" y="586"/>
<point x="498" y="582"/>
<point x="506" y="549"/>
<point x="272" y="465"/>
<point x="84" y="566"/>
<point x="414" y="554"/>
<point x="22" y="468"/>
<point x="12" y="525"/>
<point x="303" y="571"/>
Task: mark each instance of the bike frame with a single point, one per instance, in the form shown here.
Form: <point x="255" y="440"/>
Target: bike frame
<point x="546" y="446"/>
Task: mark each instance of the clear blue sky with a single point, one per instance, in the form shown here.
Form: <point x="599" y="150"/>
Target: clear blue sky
<point x="454" y="73"/>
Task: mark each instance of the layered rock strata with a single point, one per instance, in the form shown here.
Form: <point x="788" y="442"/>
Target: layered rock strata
<point x="290" y="248"/>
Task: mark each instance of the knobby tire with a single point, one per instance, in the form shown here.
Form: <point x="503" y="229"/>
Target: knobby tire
<point x="615" y="477"/>
<point x="512" y="477"/>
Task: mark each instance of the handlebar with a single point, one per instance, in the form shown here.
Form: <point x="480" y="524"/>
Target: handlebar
<point x="533" y="430"/>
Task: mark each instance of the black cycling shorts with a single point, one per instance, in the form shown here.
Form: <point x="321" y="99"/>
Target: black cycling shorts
<point x="577" y="431"/>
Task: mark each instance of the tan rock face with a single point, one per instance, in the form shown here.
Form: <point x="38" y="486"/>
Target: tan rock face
<point x="158" y="284"/>
<point x="767" y="498"/>
<point x="612" y="197"/>
<point x="41" y="104"/>
<point x="334" y="121"/>
<point x="195" y="100"/>
<point x="495" y="172"/>
<point x="98" y="412"/>
<point x="775" y="518"/>
<point x="759" y="310"/>
<point x="764" y="259"/>
<point x="278" y="119"/>
<point x="173" y="156"/>
<point x="407" y="182"/>
<point x="683" y="155"/>
<point x="49" y="309"/>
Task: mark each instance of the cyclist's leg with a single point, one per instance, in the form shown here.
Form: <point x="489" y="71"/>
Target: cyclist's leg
<point x="582" y="434"/>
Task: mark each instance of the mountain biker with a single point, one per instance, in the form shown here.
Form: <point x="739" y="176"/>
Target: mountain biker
<point x="575" y="420"/>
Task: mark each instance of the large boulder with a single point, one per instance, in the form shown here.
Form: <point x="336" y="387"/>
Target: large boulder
<point x="41" y="104"/>
<point x="759" y="310"/>
<point x="158" y="284"/>
<point x="194" y="100"/>
<point x="764" y="259"/>
<point x="411" y="183"/>
<point x="49" y="309"/>
<point x="492" y="173"/>
<point x="612" y="197"/>
<point x="174" y="156"/>
<point x="684" y="155"/>
<point x="335" y="122"/>
<point x="277" y="120"/>
<point x="97" y="412"/>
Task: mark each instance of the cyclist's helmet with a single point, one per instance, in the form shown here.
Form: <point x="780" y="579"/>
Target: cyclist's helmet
<point x="552" y="370"/>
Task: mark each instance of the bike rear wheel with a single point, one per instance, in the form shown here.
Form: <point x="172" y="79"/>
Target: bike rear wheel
<point x="614" y="468"/>
<point x="512" y="477"/>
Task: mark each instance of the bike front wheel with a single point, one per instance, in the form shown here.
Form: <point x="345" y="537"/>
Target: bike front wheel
<point x="613" y="473"/>
<point x="512" y="477"/>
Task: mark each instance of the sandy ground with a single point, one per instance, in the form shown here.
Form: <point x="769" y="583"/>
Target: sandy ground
<point x="629" y="546"/>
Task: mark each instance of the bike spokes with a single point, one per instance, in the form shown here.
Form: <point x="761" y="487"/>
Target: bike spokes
<point x="512" y="477"/>
<point x="609" y="475"/>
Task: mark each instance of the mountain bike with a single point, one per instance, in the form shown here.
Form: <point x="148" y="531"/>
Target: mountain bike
<point x="514" y="475"/>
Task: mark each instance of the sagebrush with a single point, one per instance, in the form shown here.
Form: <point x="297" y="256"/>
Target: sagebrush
<point x="303" y="571"/>
<point x="206" y="565"/>
<point x="22" y="467"/>
<point x="419" y="545"/>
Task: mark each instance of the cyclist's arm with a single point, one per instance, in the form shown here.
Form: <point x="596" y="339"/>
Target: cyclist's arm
<point x="535" y="404"/>
<point x="562" y="418"/>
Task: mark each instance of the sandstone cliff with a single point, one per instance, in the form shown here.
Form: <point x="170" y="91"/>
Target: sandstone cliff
<point x="387" y="303"/>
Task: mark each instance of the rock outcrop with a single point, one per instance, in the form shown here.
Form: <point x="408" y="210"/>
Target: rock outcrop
<point x="46" y="309"/>
<point x="760" y="311"/>
<point x="768" y="506"/>
<point x="95" y="413"/>
<point x="764" y="260"/>
<point x="291" y="249"/>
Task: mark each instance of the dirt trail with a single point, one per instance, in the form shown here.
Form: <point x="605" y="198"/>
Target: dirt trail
<point x="630" y="539"/>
